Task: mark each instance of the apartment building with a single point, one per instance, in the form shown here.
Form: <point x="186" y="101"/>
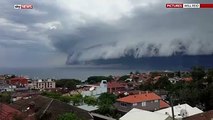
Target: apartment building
<point x="43" y="84"/>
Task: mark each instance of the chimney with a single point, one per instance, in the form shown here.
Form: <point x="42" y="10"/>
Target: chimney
<point x="146" y="93"/>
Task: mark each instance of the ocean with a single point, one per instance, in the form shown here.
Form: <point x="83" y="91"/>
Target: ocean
<point x="81" y="73"/>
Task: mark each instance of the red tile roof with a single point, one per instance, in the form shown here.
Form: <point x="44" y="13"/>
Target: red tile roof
<point x="7" y="112"/>
<point x="163" y="104"/>
<point x="18" y="80"/>
<point x="114" y="84"/>
<point x="139" y="98"/>
<point x="187" y="79"/>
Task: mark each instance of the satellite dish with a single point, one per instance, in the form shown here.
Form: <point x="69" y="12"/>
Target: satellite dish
<point x="183" y="113"/>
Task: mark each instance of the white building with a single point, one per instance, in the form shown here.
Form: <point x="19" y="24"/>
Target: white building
<point x="174" y="80"/>
<point x="7" y="88"/>
<point x="43" y="84"/>
<point x="180" y="111"/>
<point x="95" y="90"/>
<point x="138" y="114"/>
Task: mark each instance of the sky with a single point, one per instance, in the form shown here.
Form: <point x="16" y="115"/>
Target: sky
<point x="60" y="32"/>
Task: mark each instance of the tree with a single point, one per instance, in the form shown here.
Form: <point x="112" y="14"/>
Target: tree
<point x="96" y="79"/>
<point x="68" y="116"/>
<point x="189" y="95"/>
<point x="163" y="83"/>
<point x="137" y="72"/>
<point x="90" y="100"/>
<point x="77" y="99"/>
<point x="105" y="103"/>
<point x="207" y="97"/>
<point x="68" y="83"/>
<point x="123" y="78"/>
<point x="210" y="76"/>
<point x="178" y="74"/>
<point x="65" y="99"/>
<point x="5" y="97"/>
<point x="53" y="95"/>
<point x="146" y="86"/>
<point x="197" y="73"/>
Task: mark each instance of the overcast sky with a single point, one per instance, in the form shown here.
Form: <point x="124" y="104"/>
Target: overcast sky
<point x="57" y="31"/>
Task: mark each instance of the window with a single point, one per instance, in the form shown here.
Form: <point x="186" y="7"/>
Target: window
<point x="143" y="104"/>
<point x="134" y="104"/>
<point x="156" y="100"/>
<point x="123" y="104"/>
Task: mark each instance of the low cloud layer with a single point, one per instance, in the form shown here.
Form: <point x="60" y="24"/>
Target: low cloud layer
<point x="81" y="31"/>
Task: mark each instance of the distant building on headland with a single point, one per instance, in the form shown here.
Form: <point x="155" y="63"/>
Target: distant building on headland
<point x="43" y="84"/>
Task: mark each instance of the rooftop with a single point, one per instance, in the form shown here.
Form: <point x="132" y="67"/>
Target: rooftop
<point x="139" y="98"/>
<point x="163" y="104"/>
<point x="7" y="112"/>
<point x="48" y="106"/>
<point x="88" y="108"/>
<point x="181" y="111"/>
<point x="202" y="116"/>
<point x="114" y="84"/>
<point x="138" y="114"/>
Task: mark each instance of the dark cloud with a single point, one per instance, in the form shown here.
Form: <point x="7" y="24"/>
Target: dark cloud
<point x="156" y="32"/>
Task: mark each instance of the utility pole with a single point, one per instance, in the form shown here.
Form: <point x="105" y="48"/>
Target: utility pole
<point x="171" y="102"/>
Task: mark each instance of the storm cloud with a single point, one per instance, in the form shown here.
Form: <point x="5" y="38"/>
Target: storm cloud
<point x="152" y="31"/>
<point x="80" y="31"/>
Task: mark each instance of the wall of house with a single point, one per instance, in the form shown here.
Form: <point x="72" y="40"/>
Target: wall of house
<point x="122" y="106"/>
<point x="115" y="89"/>
<point x="150" y="105"/>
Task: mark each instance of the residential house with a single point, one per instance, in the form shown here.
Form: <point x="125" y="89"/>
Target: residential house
<point x="95" y="90"/>
<point x="18" y="81"/>
<point x="146" y="101"/>
<point x="201" y="116"/>
<point x="7" y="112"/>
<point x="2" y="80"/>
<point x="7" y="88"/>
<point x="138" y="114"/>
<point x="23" y="95"/>
<point x="116" y="87"/>
<point x="155" y="79"/>
<point x="4" y="86"/>
<point x="41" y="107"/>
<point x="181" y="111"/>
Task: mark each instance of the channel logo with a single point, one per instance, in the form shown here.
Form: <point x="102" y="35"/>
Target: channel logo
<point x="23" y="6"/>
<point x="17" y="6"/>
